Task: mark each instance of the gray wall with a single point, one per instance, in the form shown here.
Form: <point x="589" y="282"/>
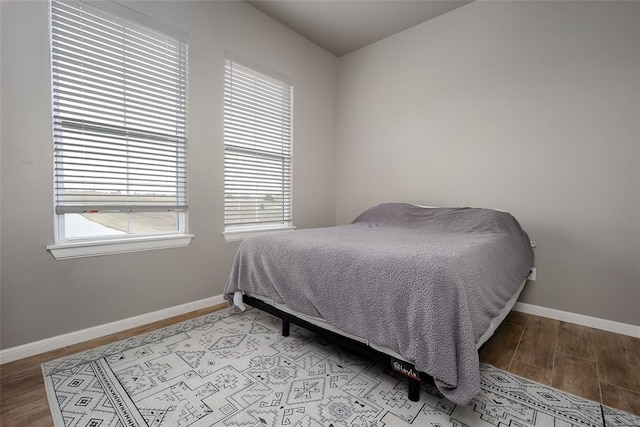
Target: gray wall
<point x="42" y="297"/>
<point x="531" y="107"/>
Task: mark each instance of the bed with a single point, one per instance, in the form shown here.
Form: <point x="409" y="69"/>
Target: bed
<point x="426" y="286"/>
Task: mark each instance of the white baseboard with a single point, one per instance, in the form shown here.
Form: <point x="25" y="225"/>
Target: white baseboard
<point x="48" y="344"/>
<point x="579" y="319"/>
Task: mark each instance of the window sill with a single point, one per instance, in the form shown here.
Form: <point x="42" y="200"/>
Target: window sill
<point x="243" y="233"/>
<point x="69" y="250"/>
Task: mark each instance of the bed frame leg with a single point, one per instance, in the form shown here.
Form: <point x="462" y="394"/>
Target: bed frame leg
<point x="414" y="390"/>
<point x="285" y="328"/>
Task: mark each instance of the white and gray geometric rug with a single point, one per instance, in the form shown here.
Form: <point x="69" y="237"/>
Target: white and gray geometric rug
<point x="226" y="369"/>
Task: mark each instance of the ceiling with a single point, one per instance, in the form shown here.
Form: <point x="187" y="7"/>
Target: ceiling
<point x="342" y="26"/>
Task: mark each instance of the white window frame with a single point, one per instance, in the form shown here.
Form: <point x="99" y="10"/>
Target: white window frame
<point x="283" y="141"/>
<point x="65" y="248"/>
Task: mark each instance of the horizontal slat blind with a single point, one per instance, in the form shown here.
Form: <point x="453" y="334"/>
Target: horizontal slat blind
<point x="119" y="113"/>
<point x="257" y="141"/>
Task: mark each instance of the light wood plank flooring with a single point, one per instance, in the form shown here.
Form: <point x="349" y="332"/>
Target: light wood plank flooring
<point x="600" y="366"/>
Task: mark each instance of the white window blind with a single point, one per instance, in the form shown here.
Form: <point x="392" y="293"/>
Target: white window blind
<point x="257" y="142"/>
<point x="119" y="112"/>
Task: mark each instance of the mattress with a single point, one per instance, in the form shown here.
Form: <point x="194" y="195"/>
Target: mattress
<point x="318" y="321"/>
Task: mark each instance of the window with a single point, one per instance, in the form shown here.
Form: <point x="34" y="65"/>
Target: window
<point x="119" y="123"/>
<point x="257" y="148"/>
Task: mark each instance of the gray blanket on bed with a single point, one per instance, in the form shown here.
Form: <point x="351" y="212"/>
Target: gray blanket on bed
<point x="424" y="282"/>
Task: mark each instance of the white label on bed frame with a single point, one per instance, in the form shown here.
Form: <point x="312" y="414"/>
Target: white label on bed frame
<point x="404" y="368"/>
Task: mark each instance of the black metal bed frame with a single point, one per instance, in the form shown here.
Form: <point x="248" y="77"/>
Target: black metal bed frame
<point x="405" y="368"/>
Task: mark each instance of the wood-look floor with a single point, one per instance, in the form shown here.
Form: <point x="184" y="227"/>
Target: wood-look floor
<point x="598" y="365"/>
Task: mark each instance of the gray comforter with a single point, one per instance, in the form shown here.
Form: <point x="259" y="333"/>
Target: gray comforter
<point x="424" y="282"/>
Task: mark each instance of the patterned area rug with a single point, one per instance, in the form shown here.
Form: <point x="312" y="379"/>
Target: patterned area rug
<point x="228" y="369"/>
